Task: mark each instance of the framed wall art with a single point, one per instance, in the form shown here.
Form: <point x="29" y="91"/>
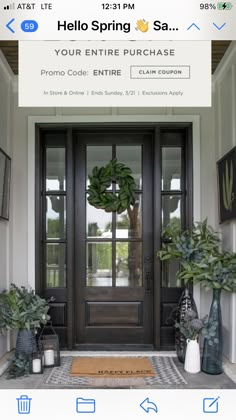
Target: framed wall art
<point x="227" y="186"/>
<point x="5" y="176"/>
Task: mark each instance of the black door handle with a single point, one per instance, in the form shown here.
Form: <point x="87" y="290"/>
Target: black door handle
<point x="148" y="272"/>
<point x="148" y="278"/>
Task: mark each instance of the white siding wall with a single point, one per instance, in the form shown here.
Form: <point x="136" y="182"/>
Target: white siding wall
<point x="5" y="144"/>
<point x="225" y="140"/>
<point x="20" y="190"/>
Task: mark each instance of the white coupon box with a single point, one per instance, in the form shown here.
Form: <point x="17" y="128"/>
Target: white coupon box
<point x="115" y="74"/>
<point x="85" y="405"/>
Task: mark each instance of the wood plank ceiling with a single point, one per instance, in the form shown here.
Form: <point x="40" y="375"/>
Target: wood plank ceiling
<point x="10" y="50"/>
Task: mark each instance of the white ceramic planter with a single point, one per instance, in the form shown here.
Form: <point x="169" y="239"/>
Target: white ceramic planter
<point x="192" y="357"/>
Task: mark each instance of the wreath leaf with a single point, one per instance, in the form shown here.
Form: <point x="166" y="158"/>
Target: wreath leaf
<point x="102" y="178"/>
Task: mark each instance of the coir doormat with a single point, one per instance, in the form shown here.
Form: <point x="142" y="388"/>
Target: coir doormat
<point x="112" y="367"/>
<point x="167" y="375"/>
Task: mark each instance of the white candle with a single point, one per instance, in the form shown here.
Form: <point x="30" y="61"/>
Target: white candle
<point x="49" y="357"/>
<point x="36" y="368"/>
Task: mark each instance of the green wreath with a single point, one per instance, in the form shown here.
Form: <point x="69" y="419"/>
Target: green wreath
<point x="102" y="178"/>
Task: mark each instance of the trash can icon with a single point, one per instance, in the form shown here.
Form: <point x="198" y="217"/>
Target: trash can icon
<point x="24" y="403"/>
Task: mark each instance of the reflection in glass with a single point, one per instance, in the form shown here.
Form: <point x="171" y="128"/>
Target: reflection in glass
<point x="129" y="223"/>
<point x="55" y="169"/>
<point x="131" y="156"/>
<point x="171" y="210"/>
<point x="99" y="223"/>
<point x="56" y="217"/>
<point x="129" y="264"/>
<point x="169" y="270"/>
<point x="97" y="156"/>
<point x="99" y="264"/>
<point x="56" y="265"/>
<point x="171" y="168"/>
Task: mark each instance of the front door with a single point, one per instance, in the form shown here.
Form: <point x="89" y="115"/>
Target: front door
<point x="114" y="252"/>
<point x="109" y="288"/>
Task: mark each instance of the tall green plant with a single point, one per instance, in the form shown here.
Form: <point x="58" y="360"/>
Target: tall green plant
<point x="188" y="247"/>
<point x="200" y="259"/>
<point x="22" y="309"/>
<point x="216" y="271"/>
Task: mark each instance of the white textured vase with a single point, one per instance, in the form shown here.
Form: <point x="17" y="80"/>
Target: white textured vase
<point x="192" y="357"/>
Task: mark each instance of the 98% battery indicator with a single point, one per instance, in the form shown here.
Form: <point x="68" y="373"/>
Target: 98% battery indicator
<point x="207" y="6"/>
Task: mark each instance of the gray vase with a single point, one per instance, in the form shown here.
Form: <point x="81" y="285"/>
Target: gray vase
<point x="26" y="342"/>
<point x="213" y="343"/>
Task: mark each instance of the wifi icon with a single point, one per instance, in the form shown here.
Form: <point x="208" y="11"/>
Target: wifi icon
<point x="9" y="6"/>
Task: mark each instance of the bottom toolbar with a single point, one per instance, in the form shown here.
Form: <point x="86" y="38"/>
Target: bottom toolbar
<point x="103" y="404"/>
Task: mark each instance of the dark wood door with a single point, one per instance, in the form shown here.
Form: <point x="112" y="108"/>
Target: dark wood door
<point x="108" y="286"/>
<point x="114" y="252"/>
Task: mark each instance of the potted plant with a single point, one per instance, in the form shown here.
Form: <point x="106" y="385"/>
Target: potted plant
<point x="216" y="271"/>
<point x="185" y="247"/>
<point x="201" y="261"/>
<point x="22" y="309"/>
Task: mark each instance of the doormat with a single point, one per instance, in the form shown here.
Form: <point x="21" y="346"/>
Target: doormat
<point x="112" y="367"/>
<point x="166" y="375"/>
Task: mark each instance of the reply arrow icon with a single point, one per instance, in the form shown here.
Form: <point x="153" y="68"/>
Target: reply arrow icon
<point x="147" y="405"/>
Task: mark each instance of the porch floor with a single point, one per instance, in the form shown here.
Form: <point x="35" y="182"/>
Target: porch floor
<point x="194" y="381"/>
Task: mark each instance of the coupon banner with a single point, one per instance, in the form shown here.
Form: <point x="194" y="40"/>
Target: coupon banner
<point x="114" y="73"/>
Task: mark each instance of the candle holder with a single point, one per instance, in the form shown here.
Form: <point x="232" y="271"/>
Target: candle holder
<point x="36" y="363"/>
<point x="49" y="346"/>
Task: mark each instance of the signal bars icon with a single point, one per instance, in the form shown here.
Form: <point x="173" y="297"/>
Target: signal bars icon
<point x="9" y="6"/>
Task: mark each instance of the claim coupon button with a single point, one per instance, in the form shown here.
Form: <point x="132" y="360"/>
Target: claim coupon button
<point x="160" y="72"/>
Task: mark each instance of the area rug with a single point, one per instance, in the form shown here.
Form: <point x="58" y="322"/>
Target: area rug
<point x="112" y="367"/>
<point x="165" y="370"/>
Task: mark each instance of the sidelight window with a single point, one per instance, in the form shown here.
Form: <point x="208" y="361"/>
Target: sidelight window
<point x="172" y="202"/>
<point x="54" y="203"/>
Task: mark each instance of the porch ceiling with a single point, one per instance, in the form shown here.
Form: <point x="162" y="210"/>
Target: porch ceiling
<point x="10" y="50"/>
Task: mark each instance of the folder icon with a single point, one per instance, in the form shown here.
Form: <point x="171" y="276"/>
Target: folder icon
<point x="85" y="405"/>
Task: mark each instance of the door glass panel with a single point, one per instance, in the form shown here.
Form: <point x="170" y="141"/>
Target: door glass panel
<point x="169" y="270"/>
<point x="131" y="156"/>
<point x="129" y="223"/>
<point x="171" y="210"/>
<point x="171" y="168"/>
<point x="55" y="169"/>
<point x="99" y="223"/>
<point x="128" y="264"/>
<point x="56" y="217"/>
<point x="56" y="265"/>
<point x="99" y="264"/>
<point x="97" y="156"/>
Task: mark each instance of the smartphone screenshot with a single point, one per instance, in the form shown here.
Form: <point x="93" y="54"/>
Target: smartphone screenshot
<point x="117" y="210"/>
